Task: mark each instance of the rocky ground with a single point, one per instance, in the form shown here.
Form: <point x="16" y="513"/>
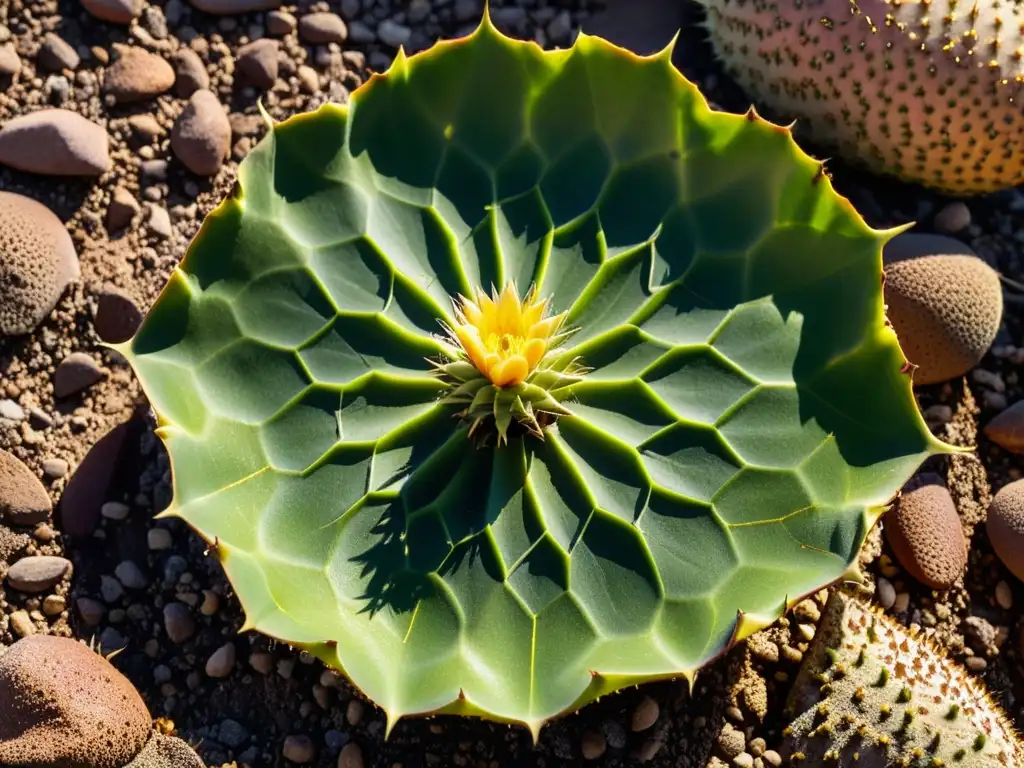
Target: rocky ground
<point x="168" y="90"/>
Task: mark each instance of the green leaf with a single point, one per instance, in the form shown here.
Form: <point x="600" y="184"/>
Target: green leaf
<point x="730" y="414"/>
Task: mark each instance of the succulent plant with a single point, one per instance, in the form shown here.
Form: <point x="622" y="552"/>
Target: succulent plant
<point x="929" y="92"/>
<point x="525" y="377"/>
<point x="873" y="694"/>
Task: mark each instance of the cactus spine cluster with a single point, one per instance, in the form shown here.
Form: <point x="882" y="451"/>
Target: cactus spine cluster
<point x="872" y="693"/>
<point x="926" y="90"/>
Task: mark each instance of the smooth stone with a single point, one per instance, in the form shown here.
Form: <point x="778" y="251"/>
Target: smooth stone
<point x="114" y="11"/>
<point x="55" y="142"/>
<point x="201" y="138"/>
<point x="37" y="574"/>
<point x="76" y="372"/>
<point x="23" y="499"/>
<point x="137" y="74"/>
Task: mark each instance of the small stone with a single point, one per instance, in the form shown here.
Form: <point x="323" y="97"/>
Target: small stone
<point x="392" y="33"/>
<point x="54" y="605"/>
<point x="10" y="64"/>
<point x="178" y="622"/>
<point x="322" y="28"/>
<point x="22" y="624"/>
<point x="159" y="221"/>
<point x="23" y="499"/>
<point x="280" y="23"/>
<point x="902" y="602"/>
<point x="953" y="218"/>
<point x="807" y="610"/>
<point x="593" y="745"/>
<point x="645" y="715"/>
<point x="309" y="80"/>
<point x="114" y="11"/>
<point x="351" y="756"/>
<point x="743" y="760"/>
<point x="145" y="127"/>
<point x="261" y="662"/>
<point x="772" y="758"/>
<point x="115" y="510"/>
<point x="55" y="54"/>
<point x="117" y="316"/>
<point x="33" y="575"/>
<point x="1004" y="596"/>
<point x="731" y="741"/>
<point x="1007" y="429"/>
<point x="55" y="142"/>
<point x="1005" y="526"/>
<point x="360" y="33"/>
<point x="298" y="749"/>
<point x="55" y="468"/>
<point x="211" y="603"/>
<point x="11" y="411"/>
<point x="222" y="661"/>
<point x="886" y="593"/>
<point x="123" y="207"/>
<point x="354" y="712"/>
<point x="649" y="749"/>
<point x="925" y="533"/>
<point x="201" y="138"/>
<point x="756" y="746"/>
<point x="91" y="611"/>
<point x="76" y="372"/>
<point x="129" y="574"/>
<point x="111" y="589"/>
<point x="232" y="7"/>
<point x="257" y="63"/>
<point x="137" y="75"/>
<point x="190" y="73"/>
<point x="976" y="664"/>
<point x="159" y="539"/>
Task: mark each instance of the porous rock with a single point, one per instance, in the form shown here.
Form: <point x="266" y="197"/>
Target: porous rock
<point x="56" y="142"/>
<point x="37" y="261"/>
<point x="945" y="309"/>
<point x="1005" y="526"/>
<point x="166" y="752"/>
<point x="925" y="534"/>
<point x="65" y="706"/>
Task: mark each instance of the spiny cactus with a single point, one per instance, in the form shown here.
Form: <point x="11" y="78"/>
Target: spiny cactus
<point x="929" y="91"/>
<point x="508" y="505"/>
<point x="873" y="694"/>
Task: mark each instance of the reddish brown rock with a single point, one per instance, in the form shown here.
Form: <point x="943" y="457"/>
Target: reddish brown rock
<point x="55" y="142"/>
<point x="1007" y="429"/>
<point x="76" y="372"/>
<point x="65" y="706"/>
<point x="79" y="508"/>
<point x="137" y="75"/>
<point x="23" y="499"/>
<point x="925" y="534"/>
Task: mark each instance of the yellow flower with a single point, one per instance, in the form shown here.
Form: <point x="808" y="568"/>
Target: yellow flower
<point x="505" y="338"/>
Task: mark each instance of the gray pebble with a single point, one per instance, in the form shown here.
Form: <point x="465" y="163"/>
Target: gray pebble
<point x="129" y="574"/>
<point x="392" y="33"/>
<point x="90" y="610"/>
<point x="232" y="734"/>
<point x="56" y="54"/>
<point x="953" y="218"/>
<point x="111" y="589"/>
<point x="37" y="574"/>
<point x="178" y="622"/>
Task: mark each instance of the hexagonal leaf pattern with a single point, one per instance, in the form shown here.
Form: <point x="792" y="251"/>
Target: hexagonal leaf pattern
<point x="746" y="416"/>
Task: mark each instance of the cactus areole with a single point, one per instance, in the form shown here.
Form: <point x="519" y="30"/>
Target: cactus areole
<point x="526" y="376"/>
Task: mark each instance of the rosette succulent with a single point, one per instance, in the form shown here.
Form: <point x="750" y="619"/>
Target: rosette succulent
<point x="526" y="376"/>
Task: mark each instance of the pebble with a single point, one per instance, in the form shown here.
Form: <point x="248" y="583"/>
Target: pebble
<point x="129" y="574"/>
<point x="55" y="468"/>
<point x="731" y="741"/>
<point x="11" y="411"/>
<point x="1007" y="429"/>
<point x="114" y="11"/>
<point x="117" y="316"/>
<point x="232" y="734"/>
<point x="159" y="221"/>
<point x="136" y="75"/>
<point x="190" y="73"/>
<point x="146" y="127"/>
<point x="33" y="575"/>
<point x="222" y="661"/>
<point x="322" y="28"/>
<point x="772" y="758"/>
<point x="1004" y="596"/>
<point x="1005" y="526"/>
<point x="201" y="137"/>
<point x="757" y="746"/>
<point x="159" y="539"/>
<point x="111" y="589"/>
<point x="178" y="622"/>
<point x="360" y="34"/>
<point x="953" y="218"/>
<point x="261" y="662"/>
<point x="743" y="760"/>
<point x="649" y="749"/>
<point x="23" y="499"/>
<point x="392" y="33"/>
<point x="115" y="510"/>
<point x="76" y="372"/>
<point x="10" y="64"/>
<point x="298" y="749"/>
<point x="54" y="605"/>
<point x="902" y="602"/>
<point x="976" y="664"/>
<point x="886" y="593"/>
<point x="593" y="745"/>
<point x="55" y="54"/>
<point x="210" y="604"/>
<point x="309" y="80"/>
<point x="22" y="624"/>
<point x="91" y="611"/>
<point x="123" y="207"/>
<point x="645" y="715"/>
<point x="925" y="533"/>
<point x="54" y="142"/>
<point x="280" y="23"/>
<point x="351" y="756"/>
<point x="87" y="490"/>
<point x="257" y="63"/>
<point x="354" y="712"/>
